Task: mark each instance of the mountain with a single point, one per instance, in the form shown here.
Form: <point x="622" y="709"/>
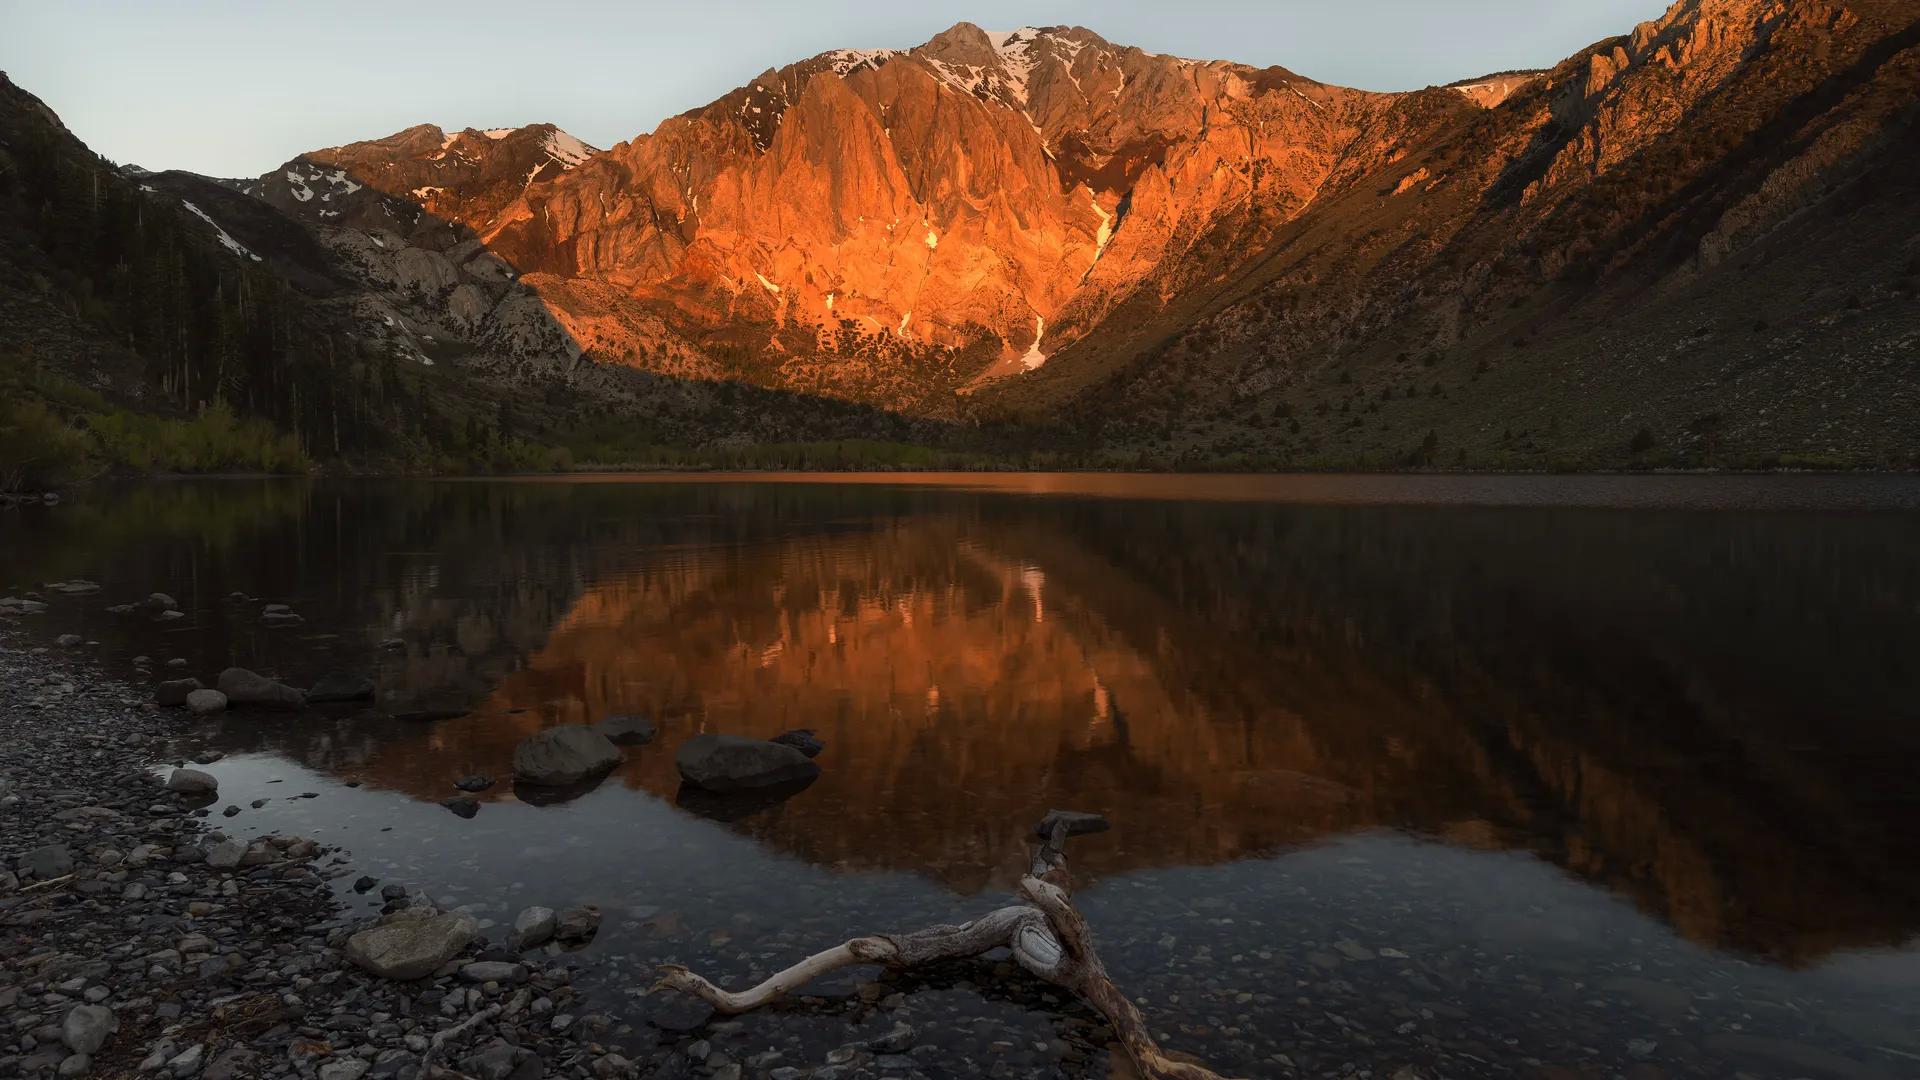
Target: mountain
<point x="1690" y="244"/>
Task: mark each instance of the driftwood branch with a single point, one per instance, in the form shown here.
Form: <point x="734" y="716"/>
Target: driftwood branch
<point x="1049" y="938"/>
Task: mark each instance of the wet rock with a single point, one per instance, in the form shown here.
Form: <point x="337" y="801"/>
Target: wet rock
<point x="462" y="806"/>
<point x="192" y="782"/>
<point x="563" y="755"/>
<point x="534" y="927"/>
<point x="160" y="602"/>
<point x="412" y="943"/>
<point x="494" y="971"/>
<point x="206" y="702"/>
<point x="340" y="686"/>
<point x="87" y="1028"/>
<point x="577" y="926"/>
<point x="69" y="641"/>
<point x="627" y="729"/>
<point x="727" y="763"/>
<point x="474" y="783"/>
<point x="801" y="739"/>
<point x="173" y="692"/>
<point x="244" y="687"/>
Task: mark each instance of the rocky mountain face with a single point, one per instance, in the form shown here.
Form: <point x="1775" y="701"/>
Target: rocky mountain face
<point x="1001" y="224"/>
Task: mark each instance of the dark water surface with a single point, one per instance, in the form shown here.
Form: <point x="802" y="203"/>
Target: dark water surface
<point x="1545" y="777"/>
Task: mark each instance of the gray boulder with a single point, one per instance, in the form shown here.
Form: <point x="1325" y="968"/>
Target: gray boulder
<point x="174" y="692"/>
<point x="192" y="782"/>
<point x="86" y="1028"/>
<point x="411" y="943"/>
<point x="563" y="755"/>
<point x="726" y="763"/>
<point x="534" y="927"/>
<point x="206" y="702"/>
<point x="243" y="687"/>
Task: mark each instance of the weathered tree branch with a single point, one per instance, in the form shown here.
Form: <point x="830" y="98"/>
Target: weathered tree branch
<point x="1049" y="938"/>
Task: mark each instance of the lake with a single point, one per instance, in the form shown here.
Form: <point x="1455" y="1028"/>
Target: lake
<point x="1533" y="776"/>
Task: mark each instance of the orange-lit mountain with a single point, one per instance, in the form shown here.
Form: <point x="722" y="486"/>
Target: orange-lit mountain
<point x="1214" y="252"/>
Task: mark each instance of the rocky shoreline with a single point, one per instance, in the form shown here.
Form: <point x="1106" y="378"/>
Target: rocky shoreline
<point x="137" y="939"/>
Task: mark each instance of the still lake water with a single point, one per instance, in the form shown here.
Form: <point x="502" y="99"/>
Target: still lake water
<point x="1545" y="777"/>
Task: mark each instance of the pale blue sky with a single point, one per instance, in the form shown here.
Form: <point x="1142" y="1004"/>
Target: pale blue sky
<point x="233" y="88"/>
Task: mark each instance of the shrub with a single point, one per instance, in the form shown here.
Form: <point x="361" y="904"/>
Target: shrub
<point x="38" y="451"/>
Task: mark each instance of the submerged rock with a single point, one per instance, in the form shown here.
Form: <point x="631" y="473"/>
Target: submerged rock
<point x="174" y="692"/>
<point x="726" y="763"/>
<point x="339" y="686"/>
<point x="192" y="782"/>
<point x="534" y="927"/>
<point x="206" y="702"/>
<point x="244" y="687"/>
<point x="801" y="739"/>
<point x="627" y="729"/>
<point x="563" y="755"/>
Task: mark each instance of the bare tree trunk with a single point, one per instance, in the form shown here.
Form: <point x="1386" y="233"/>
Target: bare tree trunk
<point x="1048" y="935"/>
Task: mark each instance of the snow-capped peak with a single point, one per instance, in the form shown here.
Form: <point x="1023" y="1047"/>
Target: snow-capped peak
<point x="566" y="149"/>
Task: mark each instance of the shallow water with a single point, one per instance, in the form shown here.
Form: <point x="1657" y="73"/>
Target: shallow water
<point x="1528" y="776"/>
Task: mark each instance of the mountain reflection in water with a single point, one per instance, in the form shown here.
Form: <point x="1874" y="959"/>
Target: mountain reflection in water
<point x="1710" y="713"/>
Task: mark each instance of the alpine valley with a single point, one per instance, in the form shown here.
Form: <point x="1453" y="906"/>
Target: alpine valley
<point x="1695" y="244"/>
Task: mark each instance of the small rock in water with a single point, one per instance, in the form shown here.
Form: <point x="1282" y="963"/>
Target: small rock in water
<point x="534" y="927"/>
<point x="563" y="755"/>
<point x="192" y="782"/>
<point x="411" y="943"/>
<point x="727" y="763"/>
<point x="206" y="702"/>
<point x="801" y="739"/>
<point x="174" y="692"/>
<point x="463" y="806"/>
<point x="577" y="925"/>
<point x="341" y="687"/>
<point x="243" y="687"/>
<point x="476" y="782"/>
<point x="69" y="641"/>
<point x="627" y="729"/>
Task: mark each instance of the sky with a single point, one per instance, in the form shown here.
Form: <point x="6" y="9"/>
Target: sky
<point x="236" y="87"/>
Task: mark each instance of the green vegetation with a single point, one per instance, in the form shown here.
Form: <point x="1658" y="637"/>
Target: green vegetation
<point x="54" y="432"/>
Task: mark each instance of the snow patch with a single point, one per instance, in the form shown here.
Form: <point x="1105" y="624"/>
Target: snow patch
<point x="1105" y="234"/>
<point x="843" y="61"/>
<point x="220" y="234"/>
<point x="499" y="133"/>
<point x="1034" y="357"/>
<point x="770" y="286"/>
<point x="566" y="149"/>
<point x="298" y="183"/>
<point x="933" y="240"/>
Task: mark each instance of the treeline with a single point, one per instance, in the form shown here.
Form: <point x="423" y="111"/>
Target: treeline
<point x="212" y="330"/>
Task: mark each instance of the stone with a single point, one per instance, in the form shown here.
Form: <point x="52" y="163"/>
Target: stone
<point x="75" y="1065"/>
<point x="161" y="602"/>
<point x="206" y="702"/>
<point x="474" y="783"/>
<point x="464" y="806"/>
<point x="188" y="1061"/>
<point x="494" y="971"/>
<point x="192" y="782"/>
<point x="534" y="927"/>
<point x="173" y="692"/>
<point x="801" y="739"/>
<point x="563" y="755"/>
<point x="69" y="641"/>
<point x="87" y="1028"/>
<point x="577" y="925"/>
<point x="51" y="861"/>
<point x="726" y="763"/>
<point x="341" y="687"/>
<point x="1077" y="822"/>
<point x="226" y="854"/>
<point x="411" y="943"/>
<point x="627" y="729"/>
<point x="243" y="687"/>
<point x="340" y="1068"/>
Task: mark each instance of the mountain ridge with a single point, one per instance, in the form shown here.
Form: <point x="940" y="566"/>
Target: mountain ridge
<point x="1140" y="259"/>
